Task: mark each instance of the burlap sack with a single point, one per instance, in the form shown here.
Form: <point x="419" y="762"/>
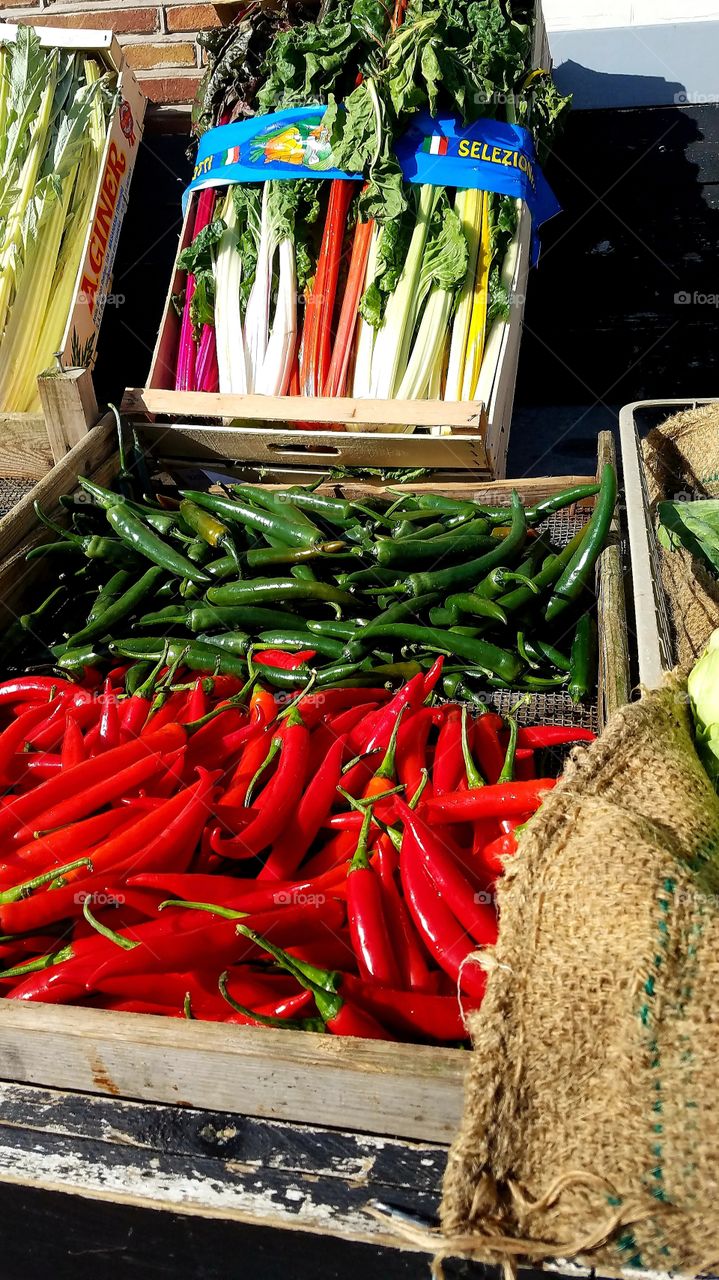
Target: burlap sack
<point x="682" y="460"/>
<point x="591" y="1121"/>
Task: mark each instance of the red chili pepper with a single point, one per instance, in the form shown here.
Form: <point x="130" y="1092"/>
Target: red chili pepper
<point x="408" y="1013"/>
<point x="84" y="803"/>
<point x="279" y="798"/>
<point x="55" y="847"/>
<point x="284" y="660"/>
<point x="448" y="763"/>
<point x="201" y="985"/>
<point x="133" y="716"/>
<point x="32" y="688"/>
<point x="537" y="736"/>
<point x="494" y="853"/>
<point x="12" y="738"/>
<point x="487" y="743"/>
<point x="412" y="751"/>
<point x="376" y="729"/>
<point x="109" y="730"/>
<point x="315" y="706"/>
<point x="84" y="780"/>
<point x="475" y="915"/>
<point x="368" y="927"/>
<point x="292" y="845"/>
<point x="512" y="799"/>
<point x="48" y="735"/>
<point x="37" y="769"/>
<point x="219" y="942"/>
<point x="340" y="1015"/>
<point x="209" y="744"/>
<point x="434" y="675"/>
<point x="197" y="704"/>
<point x="411" y="956"/>
<point x="73" y="745"/>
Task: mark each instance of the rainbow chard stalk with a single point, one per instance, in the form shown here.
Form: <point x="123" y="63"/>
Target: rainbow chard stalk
<point x="186" y="374"/>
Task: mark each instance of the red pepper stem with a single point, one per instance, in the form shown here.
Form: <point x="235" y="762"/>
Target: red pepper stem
<point x="24" y="890"/>
<point x="126" y="943"/>
<point x="236" y="700"/>
<point x="275" y="747"/>
<point x="387" y="767"/>
<point x="187" y="1007"/>
<point x="507" y="774"/>
<point x="147" y="688"/>
<point x="418" y="793"/>
<point x="263" y="1019"/>
<point x="360" y="860"/>
<point x="214" y="908"/>
<point x="474" y="777"/>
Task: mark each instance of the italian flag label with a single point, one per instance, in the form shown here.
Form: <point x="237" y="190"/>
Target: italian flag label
<point x="232" y="156"/>
<point x="435" y="145"/>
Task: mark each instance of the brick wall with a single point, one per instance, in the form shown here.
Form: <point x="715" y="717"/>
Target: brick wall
<point x="159" y="39"/>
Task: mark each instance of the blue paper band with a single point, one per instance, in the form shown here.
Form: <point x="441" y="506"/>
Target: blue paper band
<point x="440" y="151"/>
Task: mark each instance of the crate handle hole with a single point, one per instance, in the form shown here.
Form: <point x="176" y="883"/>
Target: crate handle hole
<point x="314" y="451"/>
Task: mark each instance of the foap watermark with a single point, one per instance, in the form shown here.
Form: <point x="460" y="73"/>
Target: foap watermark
<point x="296" y="898"/>
<point x="484" y="898"/>
<point x="685" y="97"/>
<point x="102" y="299"/>
<point x="695" y="298"/>
<point x="99" y="899"/>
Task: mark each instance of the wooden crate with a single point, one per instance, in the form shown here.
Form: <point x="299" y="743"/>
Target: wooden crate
<point x="411" y="1091"/>
<point x="31" y="442"/>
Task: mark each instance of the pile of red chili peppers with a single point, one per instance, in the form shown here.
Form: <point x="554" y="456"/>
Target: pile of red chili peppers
<point x="202" y="849"/>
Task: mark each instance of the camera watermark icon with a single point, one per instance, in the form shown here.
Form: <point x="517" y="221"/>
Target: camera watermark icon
<point x="685" y="98"/>
<point x="484" y="898"/>
<point x="683" y="298"/>
<point x="296" y="898"/>
<point x="99" y="899"/>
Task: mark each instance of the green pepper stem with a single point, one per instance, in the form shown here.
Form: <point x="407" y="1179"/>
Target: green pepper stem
<point x="24" y="890"/>
<point x="275" y="747"/>
<point x="126" y="943"/>
<point x="507" y="773"/>
<point x="474" y="777"/>
<point x="308" y="975"/>
<point x="265" y="1020"/>
<point x="42" y="962"/>
<point x="213" y="908"/>
<point x="387" y="767"/>
<point x="360" y="859"/>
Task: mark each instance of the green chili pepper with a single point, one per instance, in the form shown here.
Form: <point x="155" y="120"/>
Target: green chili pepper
<point x="374" y="577"/>
<point x="203" y="523"/>
<point x="441" y="617"/>
<point x="196" y="656"/>
<point x="576" y="578"/>
<point x="407" y="552"/>
<point x="471" y="572"/>
<point x="434" y="530"/>
<point x="269" y="556"/>
<point x="476" y="651"/>
<point x="86" y="655"/>
<point x="161" y="521"/>
<point x="235" y="641"/>
<point x="499" y="579"/>
<point x="118" y="610"/>
<point x="337" y="673"/>
<point x="398" y="611"/>
<point x="583" y="661"/>
<point x="281" y="677"/>
<point x="521" y="597"/>
<point x="333" y="510"/>
<point x="172" y="614"/>
<point x="277" y="523"/>
<point x="455" y="689"/>
<point x="136" y="676"/>
<point x="207" y="617"/>
<point x="144" y="540"/>
<point x="567" y="498"/>
<point x="223" y="567"/>
<point x="450" y="506"/>
<point x="552" y="655"/>
<point x="294" y="641"/>
<point x="256" y="590"/>
<point x="112" y="590"/>
<point x="467" y="602"/>
<point x="27" y="620"/>
<point x="338" y="630"/>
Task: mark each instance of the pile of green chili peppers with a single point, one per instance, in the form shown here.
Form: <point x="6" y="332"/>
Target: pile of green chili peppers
<point x="376" y="588"/>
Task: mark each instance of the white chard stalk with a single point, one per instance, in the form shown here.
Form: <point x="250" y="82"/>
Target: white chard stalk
<point x="231" y="356"/>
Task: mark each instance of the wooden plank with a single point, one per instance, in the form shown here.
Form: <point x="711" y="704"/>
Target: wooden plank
<point x="212" y="1163"/>
<point x="614" y="681"/>
<point x="380" y="1087"/>
<point x="466" y="415"/>
<point x="68" y="400"/>
<point x="94" y="449"/>
<point x="25" y="452"/>
<point x="323" y="448"/>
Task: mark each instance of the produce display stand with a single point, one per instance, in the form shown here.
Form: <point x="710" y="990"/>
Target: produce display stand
<point x="291" y="1130"/>
<point x="31" y="442"/>
<point x="653" y="631"/>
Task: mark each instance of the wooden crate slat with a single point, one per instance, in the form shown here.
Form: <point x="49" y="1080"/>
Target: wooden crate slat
<point x="412" y="1091"/>
<point x="25" y="452"/>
